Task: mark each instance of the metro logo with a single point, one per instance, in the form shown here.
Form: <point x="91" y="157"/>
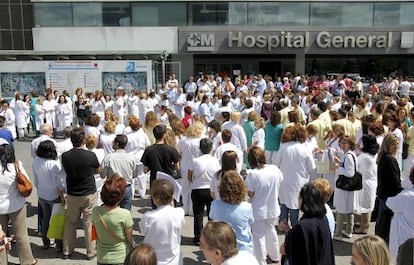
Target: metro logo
<point x="200" y="42"/>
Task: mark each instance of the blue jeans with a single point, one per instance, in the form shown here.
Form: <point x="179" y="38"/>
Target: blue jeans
<point x="284" y="214"/>
<point x="47" y="207"/>
<point x="126" y="202"/>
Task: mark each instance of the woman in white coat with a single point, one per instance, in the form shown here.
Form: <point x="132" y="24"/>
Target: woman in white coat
<point x="8" y="113"/>
<point x="21" y="112"/>
<point x="189" y="148"/>
<point x="40" y="114"/>
<point x="344" y="200"/>
<point x="367" y="166"/>
<point x="296" y="163"/>
<point x="63" y="113"/>
<point x="402" y="224"/>
<point x="49" y="106"/>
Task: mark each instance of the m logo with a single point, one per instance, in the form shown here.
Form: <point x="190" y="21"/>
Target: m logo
<point x="200" y="42"/>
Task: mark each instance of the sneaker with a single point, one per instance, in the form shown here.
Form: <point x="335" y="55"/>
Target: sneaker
<point x="346" y="235"/>
<point x="338" y="238"/>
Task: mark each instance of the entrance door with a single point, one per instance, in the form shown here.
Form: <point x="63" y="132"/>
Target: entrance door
<point x="270" y="68"/>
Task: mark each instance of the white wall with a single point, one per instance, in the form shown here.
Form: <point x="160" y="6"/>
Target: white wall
<point x="110" y="39"/>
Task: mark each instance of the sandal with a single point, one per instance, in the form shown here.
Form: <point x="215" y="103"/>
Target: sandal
<point x="34" y="262"/>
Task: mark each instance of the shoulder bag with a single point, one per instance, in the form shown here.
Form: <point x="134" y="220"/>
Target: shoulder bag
<point x="350" y="184"/>
<point x="23" y="183"/>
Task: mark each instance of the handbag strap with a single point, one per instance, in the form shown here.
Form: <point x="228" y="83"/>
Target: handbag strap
<point x="115" y="236"/>
<point x="353" y="158"/>
<point x="16" y="166"/>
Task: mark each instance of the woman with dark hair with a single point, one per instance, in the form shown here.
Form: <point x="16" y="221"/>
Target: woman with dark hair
<point x="263" y="182"/>
<point x="309" y="241"/>
<point x="273" y="134"/>
<point x="49" y="183"/>
<point x="229" y="161"/>
<point x="63" y="113"/>
<point x="214" y="133"/>
<point x="365" y="198"/>
<point x="92" y="125"/>
<point x="82" y="110"/>
<point x="13" y="205"/>
<point x="113" y="224"/>
<point x="233" y="209"/>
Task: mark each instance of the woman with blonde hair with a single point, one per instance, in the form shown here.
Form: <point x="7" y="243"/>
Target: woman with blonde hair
<point x="188" y="147"/>
<point x="332" y="150"/>
<point x="151" y="121"/>
<point x="370" y="250"/>
<point x="106" y="139"/>
<point x="344" y="199"/>
<point x="389" y="180"/>
<point x="258" y="138"/>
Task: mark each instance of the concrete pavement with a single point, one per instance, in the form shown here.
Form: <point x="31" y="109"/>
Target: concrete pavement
<point x="192" y="254"/>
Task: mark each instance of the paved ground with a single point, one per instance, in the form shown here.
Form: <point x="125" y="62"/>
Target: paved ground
<point x="192" y="255"/>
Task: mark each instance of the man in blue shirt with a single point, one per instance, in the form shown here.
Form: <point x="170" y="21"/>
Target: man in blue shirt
<point x="5" y="133"/>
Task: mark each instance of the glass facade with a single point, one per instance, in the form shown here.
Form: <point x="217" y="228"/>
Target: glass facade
<point x="16" y="23"/>
<point x="331" y="14"/>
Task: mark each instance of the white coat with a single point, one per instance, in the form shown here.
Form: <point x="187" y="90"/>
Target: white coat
<point x="344" y="200"/>
<point x="49" y="107"/>
<point x="21" y="111"/>
<point x="63" y="115"/>
<point x="40" y="116"/>
<point x="365" y="198"/>
<point x="296" y="163"/>
<point x="10" y="121"/>
<point x="402" y="224"/>
<point x="189" y="148"/>
<point x="133" y="103"/>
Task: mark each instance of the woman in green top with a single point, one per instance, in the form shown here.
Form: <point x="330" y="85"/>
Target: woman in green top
<point x="273" y="133"/>
<point x="113" y="225"/>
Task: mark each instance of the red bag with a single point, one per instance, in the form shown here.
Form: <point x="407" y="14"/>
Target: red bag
<point x="94" y="235"/>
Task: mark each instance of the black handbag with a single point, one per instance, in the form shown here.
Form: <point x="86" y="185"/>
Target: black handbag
<point x="350" y="184"/>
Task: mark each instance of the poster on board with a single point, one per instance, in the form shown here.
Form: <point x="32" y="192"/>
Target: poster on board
<point x="21" y="82"/>
<point x="25" y="76"/>
<point x="69" y="75"/>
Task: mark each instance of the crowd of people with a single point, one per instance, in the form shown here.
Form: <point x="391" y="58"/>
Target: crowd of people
<point x="251" y="153"/>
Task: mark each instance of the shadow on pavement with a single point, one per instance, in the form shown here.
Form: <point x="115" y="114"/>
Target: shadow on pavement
<point x="342" y="248"/>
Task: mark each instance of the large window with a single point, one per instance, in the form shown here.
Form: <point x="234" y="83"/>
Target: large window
<point x="159" y="14"/>
<point x="116" y="14"/>
<point x="394" y="14"/>
<point x="87" y="14"/>
<point x="209" y="13"/>
<point x="341" y="14"/>
<point x="53" y="15"/>
<point x="275" y="13"/>
<point x="218" y="13"/>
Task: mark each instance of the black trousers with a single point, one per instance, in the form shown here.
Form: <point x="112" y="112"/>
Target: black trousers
<point x="201" y="198"/>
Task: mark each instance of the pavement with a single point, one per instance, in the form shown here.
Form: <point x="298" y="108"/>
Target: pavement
<point x="192" y="254"/>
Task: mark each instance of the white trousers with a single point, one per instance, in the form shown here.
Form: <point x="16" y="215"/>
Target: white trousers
<point x="265" y="240"/>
